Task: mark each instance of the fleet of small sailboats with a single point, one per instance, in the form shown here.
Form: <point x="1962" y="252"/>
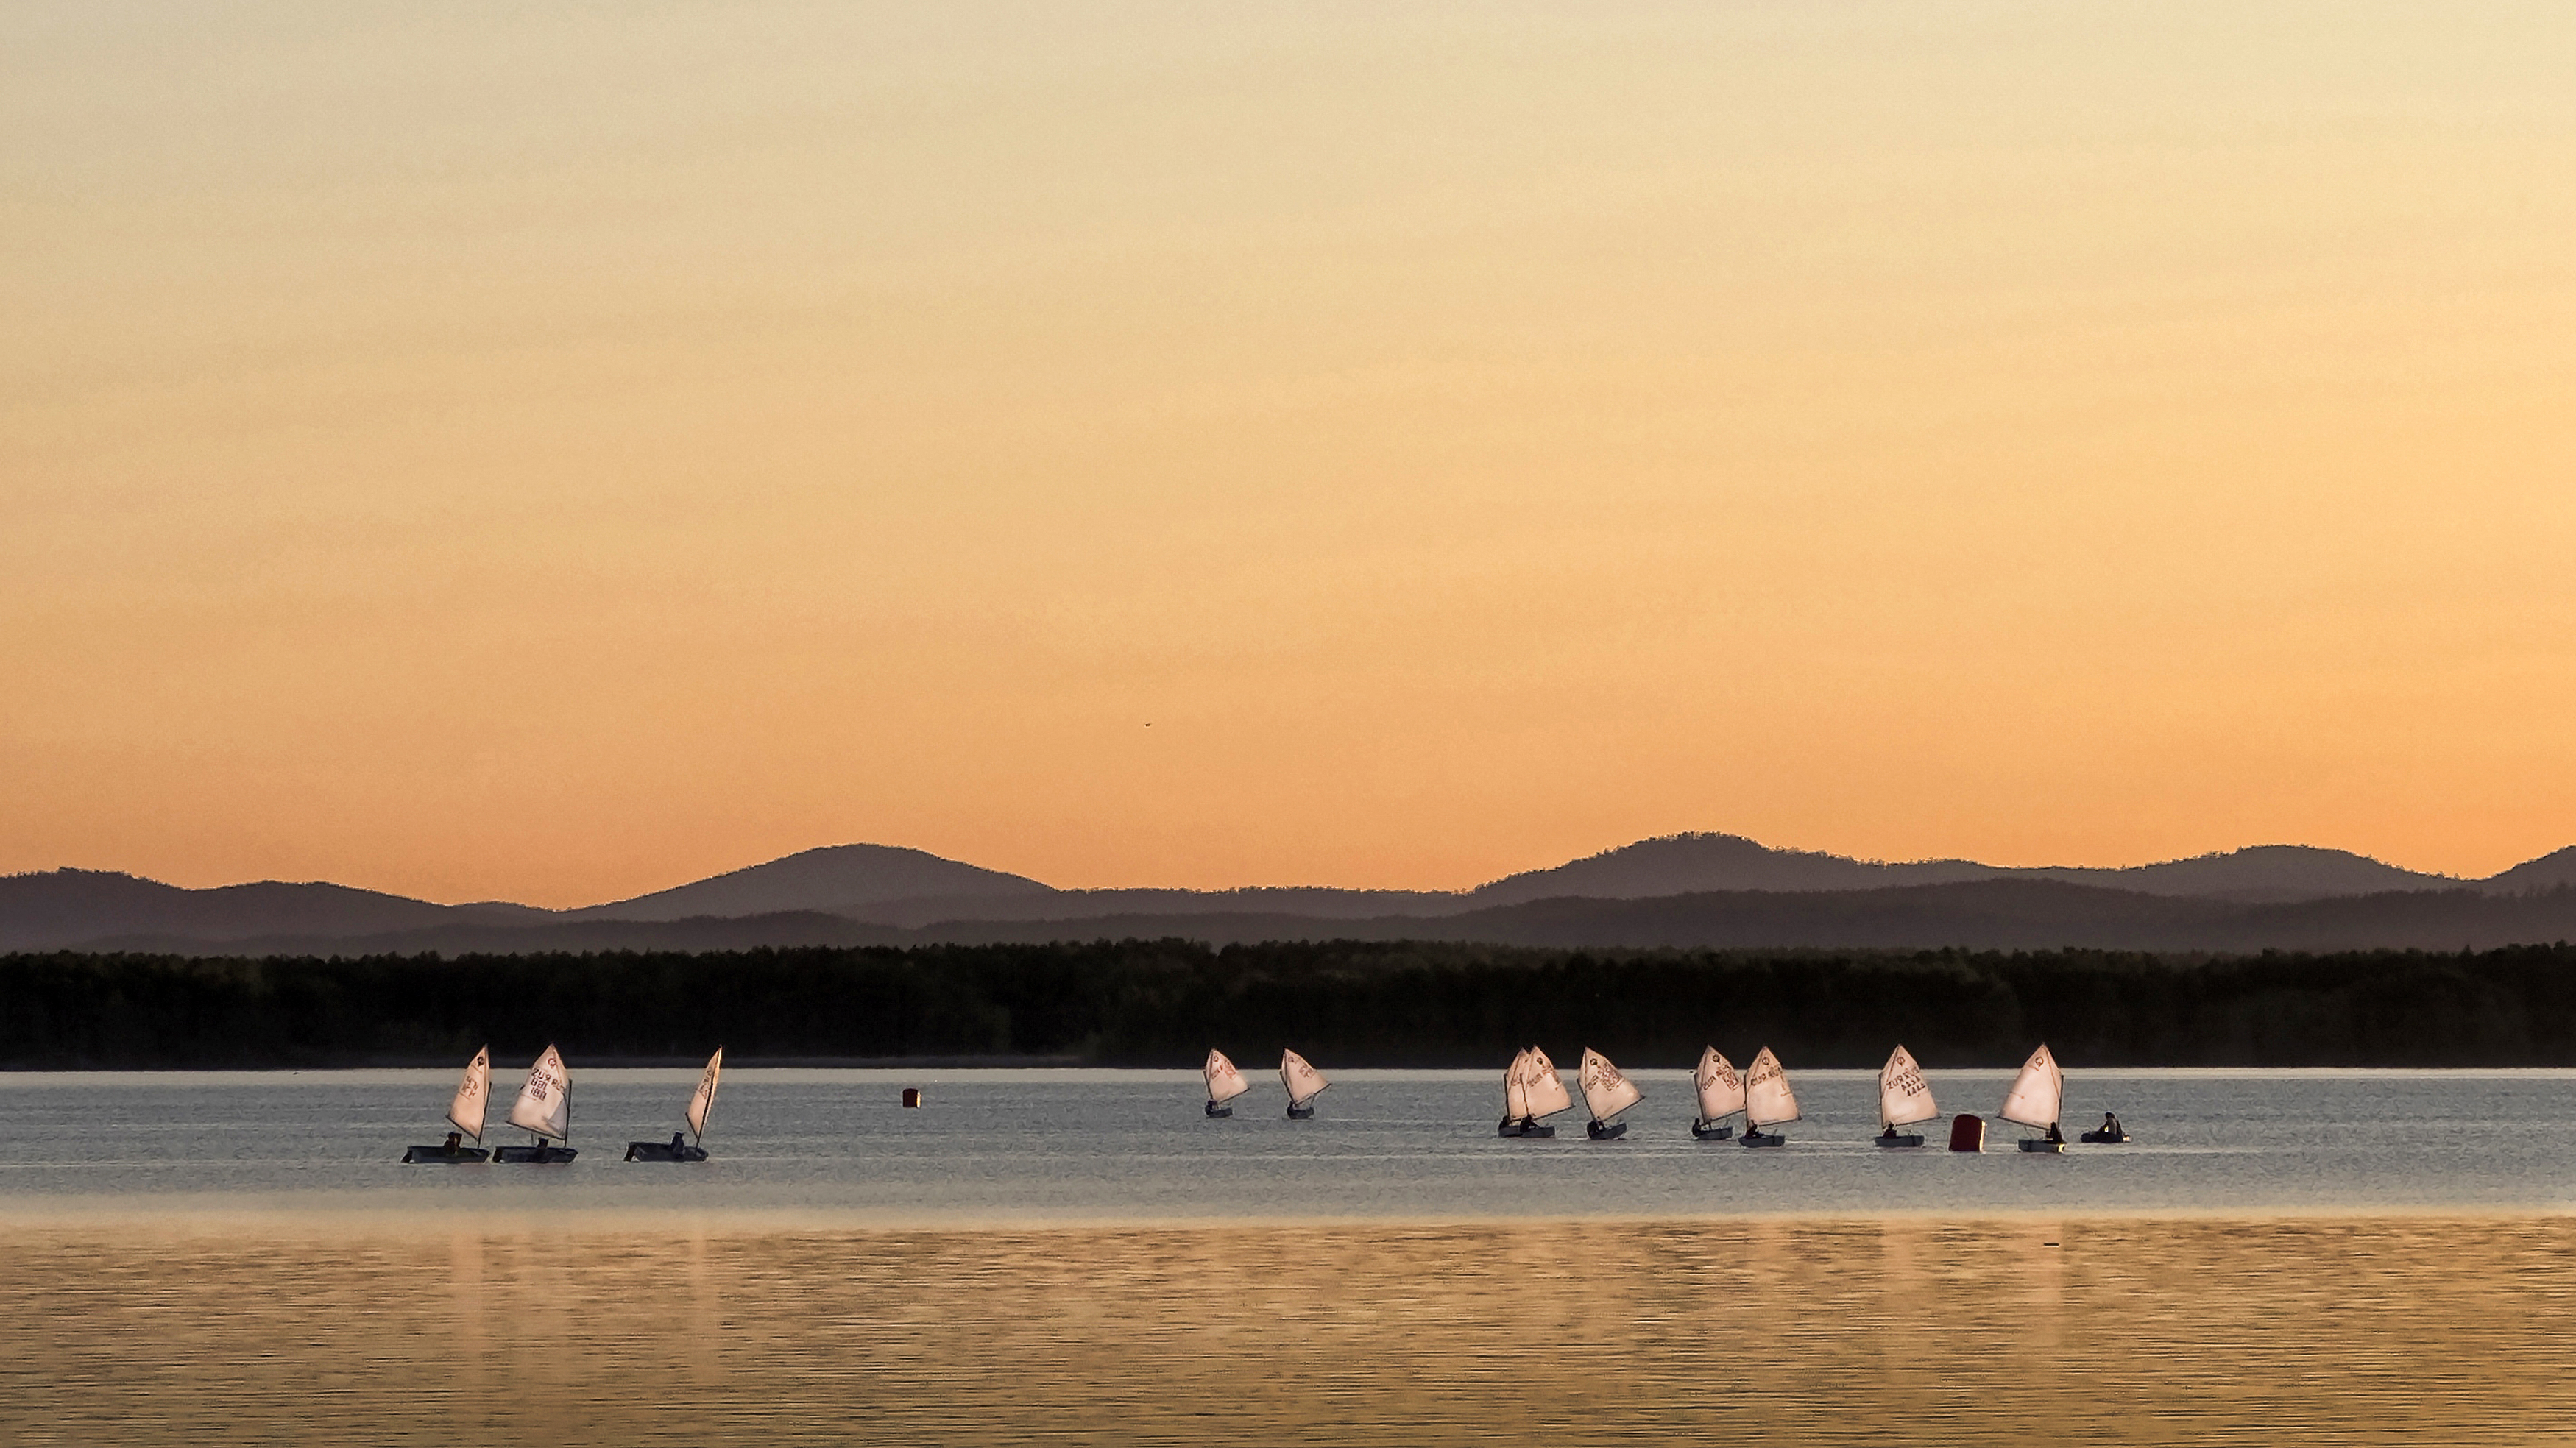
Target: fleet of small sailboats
<point x="701" y="1101"/>
<point x="1904" y="1098"/>
<point x="1532" y="1092"/>
<point x="1721" y="1095"/>
<point x="1608" y="1093"/>
<point x="1303" y="1082"/>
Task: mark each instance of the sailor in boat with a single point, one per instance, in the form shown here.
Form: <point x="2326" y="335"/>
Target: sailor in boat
<point x="701" y="1102"/>
<point x="544" y="1111"/>
<point x="2036" y="1094"/>
<point x="1904" y="1098"/>
<point x="2109" y="1131"/>
<point x="1224" y="1083"/>
<point x="1532" y="1089"/>
<point x="1608" y="1093"/>
<point x="1721" y="1095"/>
<point x="465" y="1113"/>
<point x="1768" y="1101"/>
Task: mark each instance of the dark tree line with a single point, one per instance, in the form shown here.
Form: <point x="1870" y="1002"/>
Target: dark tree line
<point x="1164" y="1002"/>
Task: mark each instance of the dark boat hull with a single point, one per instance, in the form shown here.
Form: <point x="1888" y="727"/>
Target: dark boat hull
<point x="1764" y="1138"/>
<point x="2043" y="1145"/>
<point x="1301" y="1113"/>
<point x="535" y="1155"/>
<point x="441" y="1156"/>
<point x="1215" y="1110"/>
<point x="2106" y="1138"/>
<point x="1705" y="1132"/>
<point x="664" y="1151"/>
<point x="1524" y="1126"/>
<point x="1898" y="1142"/>
<point x="1605" y="1130"/>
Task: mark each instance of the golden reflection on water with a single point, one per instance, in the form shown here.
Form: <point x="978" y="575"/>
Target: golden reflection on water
<point x="1763" y="1331"/>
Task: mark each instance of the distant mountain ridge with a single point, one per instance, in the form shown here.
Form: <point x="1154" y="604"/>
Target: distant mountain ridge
<point x="864" y="893"/>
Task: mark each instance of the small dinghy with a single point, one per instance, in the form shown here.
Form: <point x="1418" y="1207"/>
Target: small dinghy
<point x="465" y="1113"/>
<point x="1532" y="1093"/>
<point x="2109" y="1133"/>
<point x="1304" y="1084"/>
<point x="1721" y="1095"/>
<point x="1903" y="1099"/>
<point x="2034" y="1099"/>
<point x="1608" y="1093"/>
<point x="1768" y="1101"/>
<point x="1224" y="1083"/>
<point x="543" y="1110"/>
<point x="701" y="1101"/>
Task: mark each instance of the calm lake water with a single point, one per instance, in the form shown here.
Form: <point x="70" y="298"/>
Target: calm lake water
<point x="1080" y="1257"/>
<point x="836" y="1147"/>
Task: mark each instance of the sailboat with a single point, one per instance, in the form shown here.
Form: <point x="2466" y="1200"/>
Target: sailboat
<point x="544" y="1109"/>
<point x="2034" y="1100"/>
<point x="1721" y="1095"/>
<point x="1531" y="1094"/>
<point x="1608" y="1093"/>
<point x="1768" y="1101"/>
<point x="465" y="1113"/>
<point x="1224" y="1083"/>
<point x="701" y="1101"/>
<point x="1304" y="1084"/>
<point x="1903" y="1099"/>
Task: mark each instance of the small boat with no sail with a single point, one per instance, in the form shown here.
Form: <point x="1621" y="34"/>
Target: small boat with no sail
<point x="1608" y="1093"/>
<point x="1532" y="1093"/>
<point x="465" y="1113"/>
<point x="2035" y="1099"/>
<point x="701" y="1101"/>
<point x="1721" y="1095"/>
<point x="1904" y="1098"/>
<point x="1768" y="1101"/>
<point x="544" y="1111"/>
<point x="1304" y="1084"/>
<point x="1224" y="1083"/>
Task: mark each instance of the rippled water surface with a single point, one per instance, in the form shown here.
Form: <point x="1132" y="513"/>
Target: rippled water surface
<point x="1082" y="1257"/>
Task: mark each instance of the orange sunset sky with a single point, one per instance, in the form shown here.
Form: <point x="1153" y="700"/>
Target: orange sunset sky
<point x="555" y="452"/>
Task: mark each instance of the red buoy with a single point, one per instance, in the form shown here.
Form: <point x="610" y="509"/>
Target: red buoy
<point x="1967" y="1133"/>
<point x="912" y="1096"/>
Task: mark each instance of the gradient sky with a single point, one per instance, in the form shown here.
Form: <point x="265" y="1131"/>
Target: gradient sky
<point x="555" y="452"/>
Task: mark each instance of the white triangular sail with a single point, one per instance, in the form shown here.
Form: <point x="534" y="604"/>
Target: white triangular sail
<point x="1303" y="1081"/>
<point x="1516" y="1088"/>
<point x="545" y="1103"/>
<point x="703" y="1100"/>
<point x="1721" y="1091"/>
<point x="2036" y="1093"/>
<point x="1768" y="1101"/>
<point x="473" y="1095"/>
<point x="1547" y="1094"/>
<point x="1903" y="1095"/>
<point x="1605" y="1090"/>
<point x="1224" y="1083"/>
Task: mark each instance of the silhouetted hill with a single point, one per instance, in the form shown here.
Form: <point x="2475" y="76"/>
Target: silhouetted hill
<point x="1689" y="864"/>
<point x="69" y="907"/>
<point x="842" y="879"/>
<point x="1687" y="889"/>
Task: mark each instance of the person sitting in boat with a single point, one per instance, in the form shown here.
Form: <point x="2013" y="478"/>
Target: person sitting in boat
<point x="2111" y="1126"/>
<point x="1889" y="1134"/>
<point x="2056" y="1135"/>
<point x="455" y="1140"/>
<point x="677" y="1138"/>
